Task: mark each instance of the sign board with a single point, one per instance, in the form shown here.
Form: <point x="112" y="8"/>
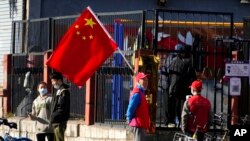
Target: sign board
<point x="237" y="69"/>
<point x="235" y="86"/>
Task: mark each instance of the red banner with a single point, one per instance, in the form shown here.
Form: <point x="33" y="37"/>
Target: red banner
<point x="83" y="49"/>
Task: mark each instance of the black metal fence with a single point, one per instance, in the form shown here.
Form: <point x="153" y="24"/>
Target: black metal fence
<point x="59" y="27"/>
<point x="44" y="34"/>
<point x="27" y="72"/>
<point x="31" y="36"/>
<point x="112" y="94"/>
<point x="30" y="40"/>
<point x="134" y="30"/>
<point x="114" y="78"/>
<point x="199" y="30"/>
<point x="246" y="23"/>
<point x="239" y="57"/>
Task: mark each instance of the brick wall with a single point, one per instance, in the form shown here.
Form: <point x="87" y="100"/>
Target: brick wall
<point x="76" y="131"/>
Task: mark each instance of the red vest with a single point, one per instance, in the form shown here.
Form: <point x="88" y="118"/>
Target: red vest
<point x="141" y="118"/>
<point x="199" y="108"/>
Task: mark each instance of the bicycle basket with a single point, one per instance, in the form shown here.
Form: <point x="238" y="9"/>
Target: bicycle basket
<point x="182" y="137"/>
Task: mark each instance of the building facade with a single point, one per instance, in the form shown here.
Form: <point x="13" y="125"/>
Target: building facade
<point x="35" y="9"/>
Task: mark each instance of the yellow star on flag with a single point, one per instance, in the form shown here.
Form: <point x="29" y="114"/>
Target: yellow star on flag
<point x="89" y="22"/>
<point x="91" y="37"/>
<point x="83" y="37"/>
<point x="82" y="58"/>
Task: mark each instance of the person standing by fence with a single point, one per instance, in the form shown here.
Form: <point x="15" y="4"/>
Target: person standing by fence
<point x="196" y="114"/>
<point x="138" y="111"/>
<point x="60" y="106"/>
<point x="181" y="75"/>
<point x="41" y="110"/>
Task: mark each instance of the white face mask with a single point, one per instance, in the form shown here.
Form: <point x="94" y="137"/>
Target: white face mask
<point x="43" y="91"/>
<point x="56" y="86"/>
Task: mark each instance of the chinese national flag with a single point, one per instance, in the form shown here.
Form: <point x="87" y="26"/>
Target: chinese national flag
<point x="83" y="49"/>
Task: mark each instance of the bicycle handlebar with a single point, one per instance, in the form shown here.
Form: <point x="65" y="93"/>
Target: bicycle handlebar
<point x="7" y="136"/>
<point x="12" y="125"/>
<point x="9" y="124"/>
<point x="3" y="121"/>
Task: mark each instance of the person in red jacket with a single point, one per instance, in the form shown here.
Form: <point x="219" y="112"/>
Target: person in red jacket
<point x="137" y="114"/>
<point x="196" y="114"/>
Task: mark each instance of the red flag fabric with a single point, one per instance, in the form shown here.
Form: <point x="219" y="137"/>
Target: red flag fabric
<point x="83" y="49"/>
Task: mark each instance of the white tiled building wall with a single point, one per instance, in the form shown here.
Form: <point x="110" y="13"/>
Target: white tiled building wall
<point x="6" y="18"/>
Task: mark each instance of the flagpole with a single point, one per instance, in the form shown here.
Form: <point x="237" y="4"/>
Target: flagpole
<point x="110" y="38"/>
<point x="125" y="59"/>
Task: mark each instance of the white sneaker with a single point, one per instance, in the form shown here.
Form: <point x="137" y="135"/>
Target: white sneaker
<point x="171" y="125"/>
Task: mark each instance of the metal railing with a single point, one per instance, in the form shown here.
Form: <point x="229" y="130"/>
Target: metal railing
<point x="131" y="30"/>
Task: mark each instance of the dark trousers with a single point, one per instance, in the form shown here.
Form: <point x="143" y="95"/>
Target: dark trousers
<point x="42" y="136"/>
<point x="139" y="133"/>
<point x="174" y="109"/>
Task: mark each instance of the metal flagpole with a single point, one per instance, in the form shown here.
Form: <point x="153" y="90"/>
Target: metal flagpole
<point x="125" y="59"/>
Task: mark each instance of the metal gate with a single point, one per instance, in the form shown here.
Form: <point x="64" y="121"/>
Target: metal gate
<point x="30" y="40"/>
<point x="132" y="31"/>
<point x="199" y="31"/>
<point x="114" y="78"/>
<point x="27" y="72"/>
<point x="238" y="105"/>
<point x="246" y="24"/>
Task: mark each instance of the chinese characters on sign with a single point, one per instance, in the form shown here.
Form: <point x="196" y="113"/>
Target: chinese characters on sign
<point x="235" y="69"/>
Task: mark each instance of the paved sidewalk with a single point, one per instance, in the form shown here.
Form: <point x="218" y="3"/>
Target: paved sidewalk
<point x="161" y="136"/>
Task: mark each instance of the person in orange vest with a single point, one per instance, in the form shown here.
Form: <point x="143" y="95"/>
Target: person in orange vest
<point x="196" y="114"/>
<point x="137" y="114"/>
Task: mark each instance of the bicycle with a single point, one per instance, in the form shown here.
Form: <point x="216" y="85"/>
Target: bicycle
<point x="185" y="137"/>
<point x="243" y="120"/>
<point x="182" y="137"/>
<point x="220" y="120"/>
<point x="7" y="136"/>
